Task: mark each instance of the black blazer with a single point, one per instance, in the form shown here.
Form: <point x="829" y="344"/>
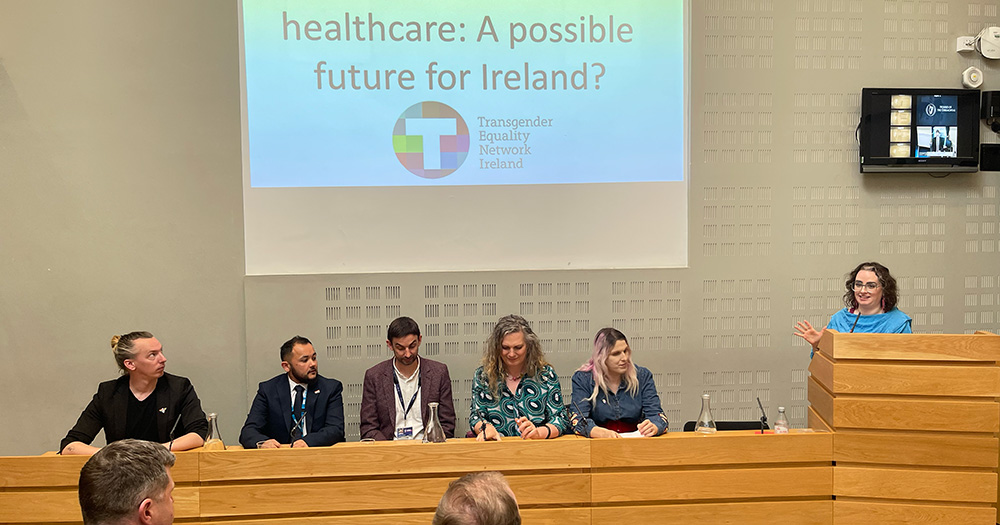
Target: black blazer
<point x="175" y="397"/>
<point x="270" y="414"/>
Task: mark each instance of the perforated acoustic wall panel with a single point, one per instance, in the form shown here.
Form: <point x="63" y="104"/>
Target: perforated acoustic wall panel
<point x="778" y="214"/>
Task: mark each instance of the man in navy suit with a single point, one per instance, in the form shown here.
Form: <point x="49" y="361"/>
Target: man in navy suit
<point x="299" y="407"/>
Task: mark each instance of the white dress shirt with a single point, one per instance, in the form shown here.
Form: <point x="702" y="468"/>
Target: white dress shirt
<point x="409" y="386"/>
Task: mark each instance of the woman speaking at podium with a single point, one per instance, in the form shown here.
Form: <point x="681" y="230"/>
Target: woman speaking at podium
<point x="144" y="403"/>
<point x="871" y="306"/>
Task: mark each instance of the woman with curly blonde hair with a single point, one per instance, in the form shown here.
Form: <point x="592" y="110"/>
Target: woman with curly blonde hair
<point x="516" y="392"/>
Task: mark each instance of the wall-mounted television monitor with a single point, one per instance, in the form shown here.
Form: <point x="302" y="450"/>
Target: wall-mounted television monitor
<point x="919" y="130"/>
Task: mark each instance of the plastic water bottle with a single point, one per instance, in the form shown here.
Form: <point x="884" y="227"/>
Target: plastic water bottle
<point x="705" y="423"/>
<point x="781" y="424"/>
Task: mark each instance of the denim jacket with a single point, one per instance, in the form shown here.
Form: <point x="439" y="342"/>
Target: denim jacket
<point x="616" y="406"/>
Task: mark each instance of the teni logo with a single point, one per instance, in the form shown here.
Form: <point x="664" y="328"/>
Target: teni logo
<point x="931" y="109"/>
<point x="431" y="140"/>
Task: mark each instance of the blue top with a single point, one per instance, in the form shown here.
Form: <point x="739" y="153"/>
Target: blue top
<point x="618" y="405"/>
<point x="538" y="398"/>
<point x="892" y="322"/>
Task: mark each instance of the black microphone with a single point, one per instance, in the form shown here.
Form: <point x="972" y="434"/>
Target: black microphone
<point x="763" y="416"/>
<point x="172" y="430"/>
<point x="579" y="412"/>
<point x="482" y="416"/>
<point x="855" y="321"/>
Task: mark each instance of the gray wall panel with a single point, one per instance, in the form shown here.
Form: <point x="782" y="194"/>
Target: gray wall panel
<point x="121" y="199"/>
<point x="120" y="204"/>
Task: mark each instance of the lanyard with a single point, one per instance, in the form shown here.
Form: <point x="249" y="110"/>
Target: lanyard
<point x="406" y="409"/>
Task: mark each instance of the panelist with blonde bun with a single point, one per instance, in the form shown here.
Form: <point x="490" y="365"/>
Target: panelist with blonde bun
<point x="144" y="403"/>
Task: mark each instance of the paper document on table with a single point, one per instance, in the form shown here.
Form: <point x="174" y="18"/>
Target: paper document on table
<point x="634" y="434"/>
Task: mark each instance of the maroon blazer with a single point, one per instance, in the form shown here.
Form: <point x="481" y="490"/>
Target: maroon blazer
<point x="378" y="402"/>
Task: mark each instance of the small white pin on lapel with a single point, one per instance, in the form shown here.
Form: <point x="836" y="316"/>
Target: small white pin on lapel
<point x="163" y="410"/>
<point x="316" y="392"/>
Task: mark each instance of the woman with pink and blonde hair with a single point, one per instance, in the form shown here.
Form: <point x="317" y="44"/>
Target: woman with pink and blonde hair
<point x="613" y="396"/>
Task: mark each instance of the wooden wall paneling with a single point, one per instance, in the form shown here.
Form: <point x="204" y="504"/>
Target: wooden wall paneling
<point x="558" y="516"/>
<point x="916" y="448"/>
<point x="754" y="512"/>
<point x="40" y="489"/>
<point x="973" y="380"/>
<point x="816" y="422"/>
<point x="391" y="518"/>
<point x="915" y="484"/>
<point x="899" y="413"/>
<point x="63" y="505"/>
<point x="911" y="347"/>
<point x="721" y="483"/>
<point x="393" y="459"/>
<point x="821" y="401"/>
<point x="848" y="512"/>
<point x="40" y="506"/>
<point x="40" y="471"/>
<point x="821" y="370"/>
<point x="723" y="448"/>
<point x="369" y="495"/>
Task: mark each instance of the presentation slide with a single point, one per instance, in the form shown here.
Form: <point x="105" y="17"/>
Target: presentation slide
<point x="438" y="112"/>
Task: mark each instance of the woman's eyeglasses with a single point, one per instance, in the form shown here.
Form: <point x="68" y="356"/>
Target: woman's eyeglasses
<point x="858" y="285"/>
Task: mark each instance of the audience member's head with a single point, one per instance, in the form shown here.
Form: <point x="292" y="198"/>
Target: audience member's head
<point x="479" y="498"/>
<point x="128" y="482"/>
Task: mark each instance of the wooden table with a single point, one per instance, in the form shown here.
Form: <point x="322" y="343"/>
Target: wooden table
<point x="907" y="430"/>
<point x="739" y="476"/>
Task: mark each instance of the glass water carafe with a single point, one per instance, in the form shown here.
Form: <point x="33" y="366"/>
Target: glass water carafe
<point x="434" y="433"/>
<point x="705" y="423"/>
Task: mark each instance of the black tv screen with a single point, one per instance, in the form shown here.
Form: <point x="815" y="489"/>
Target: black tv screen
<point x="919" y="130"/>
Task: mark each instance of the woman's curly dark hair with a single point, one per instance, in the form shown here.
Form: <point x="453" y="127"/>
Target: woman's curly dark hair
<point x="885" y="280"/>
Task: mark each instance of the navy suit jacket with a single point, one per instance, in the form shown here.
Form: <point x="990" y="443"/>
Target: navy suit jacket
<point x="270" y="414"/>
<point x="378" y="400"/>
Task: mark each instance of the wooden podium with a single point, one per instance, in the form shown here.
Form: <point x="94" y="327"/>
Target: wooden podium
<point x="915" y="421"/>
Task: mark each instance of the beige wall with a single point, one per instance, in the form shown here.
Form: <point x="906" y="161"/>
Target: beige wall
<point x="120" y="204"/>
<point x="121" y="209"/>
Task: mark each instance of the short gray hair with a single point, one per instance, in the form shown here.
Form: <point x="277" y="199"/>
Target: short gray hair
<point x="479" y="498"/>
<point x="116" y="479"/>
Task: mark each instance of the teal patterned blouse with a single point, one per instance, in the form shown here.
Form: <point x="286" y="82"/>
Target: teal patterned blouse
<point x="539" y="398"/>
